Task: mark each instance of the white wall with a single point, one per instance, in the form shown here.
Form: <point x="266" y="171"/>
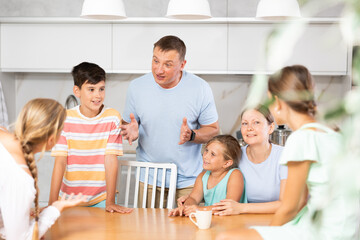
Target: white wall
<point x="8" y="86"/>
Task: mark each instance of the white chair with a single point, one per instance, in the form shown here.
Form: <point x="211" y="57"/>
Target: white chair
<point x="147" y="166"/>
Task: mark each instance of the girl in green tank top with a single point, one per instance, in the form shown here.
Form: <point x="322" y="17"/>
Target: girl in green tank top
<point x="221" y="179"/>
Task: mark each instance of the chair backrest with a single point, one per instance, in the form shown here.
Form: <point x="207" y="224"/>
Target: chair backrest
<point x="147" y="166"/>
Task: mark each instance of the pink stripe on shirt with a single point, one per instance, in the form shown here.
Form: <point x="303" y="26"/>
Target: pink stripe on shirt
<point x="96" y="159"/>
<point x="88" y="128"/>
<point x="92" y="191"/>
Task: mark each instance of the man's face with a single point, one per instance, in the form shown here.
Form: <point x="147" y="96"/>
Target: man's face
<point x="167" y="67"/>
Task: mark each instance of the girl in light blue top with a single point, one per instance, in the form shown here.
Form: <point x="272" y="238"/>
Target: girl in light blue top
<point x="222" y="179"/>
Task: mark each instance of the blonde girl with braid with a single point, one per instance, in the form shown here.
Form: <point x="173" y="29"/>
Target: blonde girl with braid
<point x="37" y="129"/>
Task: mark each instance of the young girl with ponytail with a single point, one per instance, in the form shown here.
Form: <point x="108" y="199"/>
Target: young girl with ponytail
<point x="36" y="130"/>
<point x="309" y="153"/>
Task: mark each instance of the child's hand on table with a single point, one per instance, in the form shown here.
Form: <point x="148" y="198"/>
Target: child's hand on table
<point x="117" y="208"/>
<point x="176" y="212"/>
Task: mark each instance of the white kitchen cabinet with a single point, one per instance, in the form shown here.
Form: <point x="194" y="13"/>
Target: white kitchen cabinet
<point x="320" y="47"/>
<point x="206" y="45"/>
<point x="54" y="47"/>
<point x="215" y="46"/>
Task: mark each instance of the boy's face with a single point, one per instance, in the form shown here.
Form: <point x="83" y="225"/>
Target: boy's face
<point x="91" y="98"/>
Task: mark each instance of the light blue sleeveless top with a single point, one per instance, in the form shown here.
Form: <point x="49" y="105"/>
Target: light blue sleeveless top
<point x="218" y="192"/>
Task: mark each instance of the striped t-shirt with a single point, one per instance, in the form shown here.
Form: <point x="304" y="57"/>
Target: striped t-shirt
<point x="85" y="142"/>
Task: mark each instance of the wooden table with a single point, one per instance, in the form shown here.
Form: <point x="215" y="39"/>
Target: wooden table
<point x="94" y="223"/>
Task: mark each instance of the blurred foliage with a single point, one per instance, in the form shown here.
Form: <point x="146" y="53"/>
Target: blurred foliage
<point x="356" y="64"/>
<point x="345" y="175"/>
<point x="337" y="112"/>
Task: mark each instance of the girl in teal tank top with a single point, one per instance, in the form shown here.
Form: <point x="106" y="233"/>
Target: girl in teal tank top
<point x="221" y="180"/>
<point x="218" y="193"/>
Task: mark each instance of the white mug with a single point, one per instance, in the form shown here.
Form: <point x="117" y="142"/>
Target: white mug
<point x="203" y="218"/>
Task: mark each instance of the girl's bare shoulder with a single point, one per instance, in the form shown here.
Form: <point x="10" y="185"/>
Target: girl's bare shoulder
<point x="236" y="173"/>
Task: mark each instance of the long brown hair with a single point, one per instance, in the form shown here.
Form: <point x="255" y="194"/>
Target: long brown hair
<point x="231" y="146"/>
<point x="39" y="119"/>
<point x="295" y="85"/>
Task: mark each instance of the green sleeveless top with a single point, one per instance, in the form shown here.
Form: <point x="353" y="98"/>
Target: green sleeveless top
<point x="218" y="192"/>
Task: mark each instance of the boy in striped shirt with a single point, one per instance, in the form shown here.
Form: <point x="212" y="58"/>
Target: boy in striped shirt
<point x="86" y="153"/>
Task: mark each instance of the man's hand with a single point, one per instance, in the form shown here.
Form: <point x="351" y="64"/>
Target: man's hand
<point x="130" y="131"/>
<point x="117" y="208"/>
<point x="185" y="132"/>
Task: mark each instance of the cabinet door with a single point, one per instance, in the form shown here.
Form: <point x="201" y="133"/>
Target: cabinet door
<point x="54" y="47"/>
<point x="320" y="47"/>
<point x="205" y="45"/>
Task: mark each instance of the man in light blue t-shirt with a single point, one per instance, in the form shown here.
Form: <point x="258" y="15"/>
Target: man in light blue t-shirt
<point x="172" y="112"/>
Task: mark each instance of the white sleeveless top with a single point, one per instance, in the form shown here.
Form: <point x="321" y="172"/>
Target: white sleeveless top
<point x="16" y="199"/>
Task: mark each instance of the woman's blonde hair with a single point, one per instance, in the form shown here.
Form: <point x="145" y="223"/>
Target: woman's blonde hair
<point x="39" y="119"/>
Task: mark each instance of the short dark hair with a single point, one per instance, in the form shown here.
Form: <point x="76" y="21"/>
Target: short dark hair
<point x="232" y="148"/>
<point x="87" y="72"/>
<point x="169" y="43"/>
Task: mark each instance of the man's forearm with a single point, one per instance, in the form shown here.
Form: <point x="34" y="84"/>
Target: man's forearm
<point x="205" y="133"/>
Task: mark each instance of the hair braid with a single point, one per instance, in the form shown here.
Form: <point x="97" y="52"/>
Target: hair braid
<point x="30" y="160"/>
